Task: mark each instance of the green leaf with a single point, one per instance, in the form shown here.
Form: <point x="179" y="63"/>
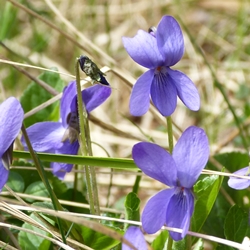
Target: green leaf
<point x="160" y="241"/>
<point x="233" y="161"/>
<point x="132" y="206"/>
<point x="116" y="163"/>
<point x="236" y="224"/>
<point x="59" y="187"/>
<point x="217" y="217"/>
<point x="180" y="245"/>
<point x="97" y="240"/>
<point x="8" y="18"/>
<point x="206" y="191"/>
<point x="35" y="95"/>
<point x="15" y="182"/>
<point x="38" y="189"/>
<point x="29" y="241"/>
<point x="199" y="245"/>
<point x="224" y="247"/>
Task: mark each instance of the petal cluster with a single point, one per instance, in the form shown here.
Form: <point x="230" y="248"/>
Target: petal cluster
<point x="11" y="118"/>
<point x="240" y="183"/>
<point x="173" y="206"/>
<point x="62" y="137"/>
<point x="158" y="52"/>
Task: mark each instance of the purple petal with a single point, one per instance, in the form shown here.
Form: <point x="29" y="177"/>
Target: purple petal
<point x="155" y="162"/>
<point x="60" y="169"/>
<point x="95" y="95"/>
<point x="68" y="102"/>
<point x="143" y="49"/>
<point x="170" y="40"/>
<point x="11" y="118"/>
<point x="140" y="96"/>
<point x="136" y="237"/>
<point x="186" y="89"/>
<point x="45" y="136"/>
<point x="179" y="212"/>
<point x="154" y="213"/>
<point x="239" y="183"/>
<point x="164" y="94"/>
<point x="191" y="155"/>
<point x="4" y="173"/>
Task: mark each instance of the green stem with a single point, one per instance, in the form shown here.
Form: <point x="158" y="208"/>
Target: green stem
<point x="84" y="144"/>
<point x="170" y="134"/>
<point x="137" y="184"/>
<point x="189" y="242"/>
<point x="41" y="172"/>
<point x="75" y="184"/>
<point x="92" y="170"/>
<point x="170" y="243"/>
<point x="171" y="147"/>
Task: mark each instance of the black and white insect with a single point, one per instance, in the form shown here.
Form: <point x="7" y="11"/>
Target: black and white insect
<point x="91" y="70"/>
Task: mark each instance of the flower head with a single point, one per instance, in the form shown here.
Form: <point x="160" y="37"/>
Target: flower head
<point x="158" y="50"/>
<point x="62" y="137"/>
<point x="172" y="206"/>
<point x="11" y="118"/>
<point x="135" y="236"/>
<point x="240" y="183"/>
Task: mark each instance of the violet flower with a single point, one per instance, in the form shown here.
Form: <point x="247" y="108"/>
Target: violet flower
<point x="173" y="206"/>
<point x="11" y="118"/>
<point x="158" y="51"/>
<point x="136" y="237"/>
<point x="240" y="183"/>
<point x="62" y="137"/>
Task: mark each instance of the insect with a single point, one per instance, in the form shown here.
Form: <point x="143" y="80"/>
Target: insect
<point x="91" y="70"/>
<point x="152" y="30"/>
<point x="73" y="130"/>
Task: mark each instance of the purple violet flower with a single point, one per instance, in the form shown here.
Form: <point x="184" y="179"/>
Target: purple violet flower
<point x="173" y="206"/>
<point x="240" y="183"/>
<point x="11" y="118"/>
<point x="136" y="237"/>
<point x="62" y="137"/>
<point x="158" y="51"/>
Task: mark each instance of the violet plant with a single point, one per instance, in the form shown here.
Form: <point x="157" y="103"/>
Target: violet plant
<point x="174" y="205"/>
<point x="135" y="236"/>
<point x="11" y="118"/>
<point x="62" y="137"/>
<point x="240" y="183"/>
<point x="158" y="52"/>
<point x="172" y="217"/>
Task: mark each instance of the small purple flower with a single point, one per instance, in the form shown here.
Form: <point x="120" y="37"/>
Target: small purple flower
<point x="11" y="118"/>
<point x="240" y="183"/>
<point x="136" y="237"/>
<point x="158" y="51"/>
<point x="173" y="206"/>
<point x="62" y="137"/>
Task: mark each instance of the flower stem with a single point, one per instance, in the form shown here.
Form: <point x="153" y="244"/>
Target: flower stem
<point x="92" y="169"/>
<point x="189" y="242"/>
<point x="40" y="170"/>
<point x="170" y="134"/>
<point x="85" y="145"/>
<point x="170" y="243"/>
